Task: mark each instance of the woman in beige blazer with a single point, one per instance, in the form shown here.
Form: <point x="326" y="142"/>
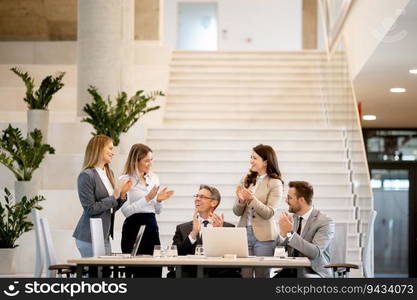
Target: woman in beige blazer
<point x="257" y="199"/>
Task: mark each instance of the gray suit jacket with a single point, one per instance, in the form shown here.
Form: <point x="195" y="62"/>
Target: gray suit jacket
<point x="313" y="243"/>
<point x="96" y="203"/>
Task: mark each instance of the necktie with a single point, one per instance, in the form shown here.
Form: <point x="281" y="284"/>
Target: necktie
<point x="205" y="222"/>
<point x="300" y="222"/>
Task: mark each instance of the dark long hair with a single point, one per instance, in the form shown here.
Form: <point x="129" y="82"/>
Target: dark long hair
<point x="268" y="154"/>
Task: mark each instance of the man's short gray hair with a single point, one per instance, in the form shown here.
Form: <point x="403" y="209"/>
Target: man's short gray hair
<point x="215" y="194"/>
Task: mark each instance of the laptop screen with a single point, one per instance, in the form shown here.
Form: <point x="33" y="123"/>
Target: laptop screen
<point x="138" y="239"/>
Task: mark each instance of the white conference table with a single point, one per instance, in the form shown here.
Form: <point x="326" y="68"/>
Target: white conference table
<point x="191" y="260"/>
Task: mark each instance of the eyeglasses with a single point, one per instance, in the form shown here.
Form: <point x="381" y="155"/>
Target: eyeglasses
<point x="202" y="197"/>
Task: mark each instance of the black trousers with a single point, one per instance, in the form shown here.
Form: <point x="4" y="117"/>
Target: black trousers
<point x="150" y="238"/>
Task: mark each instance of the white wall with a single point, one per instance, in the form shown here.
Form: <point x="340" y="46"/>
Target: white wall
<point x="270" y="24"/>
<point x="366" y="26"/>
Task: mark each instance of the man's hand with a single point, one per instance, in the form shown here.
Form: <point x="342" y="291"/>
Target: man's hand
<point x="286" y="223"/>
<point x="217" y="220"/>
<point x="196" y="225"/>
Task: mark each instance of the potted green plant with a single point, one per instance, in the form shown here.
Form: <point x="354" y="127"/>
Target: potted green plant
<point x="113" y="119"/>
<point x="38" y="101"/>
<point x="23" y="156"/>
<point x="14" y="221"/>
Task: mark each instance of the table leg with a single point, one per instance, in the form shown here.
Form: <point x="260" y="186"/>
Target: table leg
<point x="79" y="271"/>
<point x="178" y="272"/>
<point x="200" y="272"/>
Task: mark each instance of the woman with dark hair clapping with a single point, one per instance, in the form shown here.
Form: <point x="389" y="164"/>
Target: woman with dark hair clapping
<point x="257" y="199"/>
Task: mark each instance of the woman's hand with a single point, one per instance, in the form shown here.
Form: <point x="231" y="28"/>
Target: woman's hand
<point x="245" y="195"/>
<point x="122" y="187"/>
<point x="152" y="193"/>
<point x="164" y="194"/>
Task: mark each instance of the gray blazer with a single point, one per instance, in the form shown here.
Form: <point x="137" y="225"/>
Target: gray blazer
<point x="313" y="243"/>
<point x="96" y="203"/>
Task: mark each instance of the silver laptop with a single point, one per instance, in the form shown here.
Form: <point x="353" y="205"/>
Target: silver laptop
<point x="135" y="246"/>
<point x="218" y="241"/>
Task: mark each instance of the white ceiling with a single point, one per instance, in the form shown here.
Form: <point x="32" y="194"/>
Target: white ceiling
<point x="389" y="67"/>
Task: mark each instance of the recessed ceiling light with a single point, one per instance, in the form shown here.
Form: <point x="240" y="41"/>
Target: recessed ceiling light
<point x="397" y="90"/>
<point x="413" y="71"/>
<point x="369" y="117"/>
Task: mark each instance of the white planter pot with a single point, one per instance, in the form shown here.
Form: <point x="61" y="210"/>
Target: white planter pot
<point x="39" y="118"/>
<point x="7" y="261"/>
<point x="26" y="188"/>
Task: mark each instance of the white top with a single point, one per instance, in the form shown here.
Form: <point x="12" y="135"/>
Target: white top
<point x="259" y="179"/>
<point x="136" y="202"/>
<point x="106" y="181"/>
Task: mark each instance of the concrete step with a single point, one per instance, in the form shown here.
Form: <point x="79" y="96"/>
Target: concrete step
<point x="286" y="74"/>
<point x="250" y="108"/>
<point x="239" y="143"/>
<point x="226" y="154"/>
<point x="278" y="133"/>
<point x="222" y="165"/>
<point x="257" y="63"/>
<point x="247" y="55"/>
<point x="253" y="91"/>
<point x="256" y="83"/>
<point x="254" y="115"/>
<point x="248" y="78"/>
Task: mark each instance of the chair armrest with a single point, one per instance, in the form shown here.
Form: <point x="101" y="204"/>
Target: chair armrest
<point x="348" y="266"/>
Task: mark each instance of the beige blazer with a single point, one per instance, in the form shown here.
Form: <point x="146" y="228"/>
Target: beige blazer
<point x="262" y="207"/>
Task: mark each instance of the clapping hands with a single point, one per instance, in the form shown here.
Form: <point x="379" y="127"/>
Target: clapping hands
<point x="244" y="195"/>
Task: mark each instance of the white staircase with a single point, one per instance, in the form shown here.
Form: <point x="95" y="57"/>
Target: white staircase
<point x="218" y="106"/>
<point x="221" y="104"/>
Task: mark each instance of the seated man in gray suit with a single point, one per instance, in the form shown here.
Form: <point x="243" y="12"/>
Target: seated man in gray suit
<point x="307" y="233"/>
<point x="188" y="235"/>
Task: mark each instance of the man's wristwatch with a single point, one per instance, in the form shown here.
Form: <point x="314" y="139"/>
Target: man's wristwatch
<point x="289" y="234"/>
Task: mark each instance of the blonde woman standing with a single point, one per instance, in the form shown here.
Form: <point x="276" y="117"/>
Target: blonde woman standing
<point x="257" y="199"/>
<point x="144" y="200"/>
<point x="100" y="196"/>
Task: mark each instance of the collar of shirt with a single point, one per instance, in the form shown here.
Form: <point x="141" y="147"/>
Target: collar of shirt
<point x="307" y="215"/>
<point x="147" y="177"/>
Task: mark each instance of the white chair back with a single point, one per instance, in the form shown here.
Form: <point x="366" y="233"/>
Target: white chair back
<point x="338" y="246"/>
<point x="367" y="258"/>
<point x="40" y="251"/>
<point x="49" y="247"/>
<point x="97" y="237"/>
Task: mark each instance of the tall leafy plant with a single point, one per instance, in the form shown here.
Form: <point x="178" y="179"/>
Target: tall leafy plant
<point x="21" y="155"/>
<point x="40" y="98"/>
<point x="14" y="218"/>
<point x="113" y="119"/>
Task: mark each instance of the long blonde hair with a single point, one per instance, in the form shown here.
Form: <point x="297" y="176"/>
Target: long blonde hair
<point x="136" y="153"/>
<point x="93" y="153"/>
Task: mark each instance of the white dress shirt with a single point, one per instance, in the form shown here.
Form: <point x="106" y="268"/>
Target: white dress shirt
<point x="136" y="202"/>
<point x="209" y="225"/>
<point x="303" y="222"/>
<point x="259" y="179"/>
<point x="106" y="181"/>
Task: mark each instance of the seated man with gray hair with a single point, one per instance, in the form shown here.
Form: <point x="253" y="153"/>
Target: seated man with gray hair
<point x="188" y="235"/>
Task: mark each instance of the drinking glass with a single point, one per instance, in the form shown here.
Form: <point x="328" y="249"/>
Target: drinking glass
<point x="172" y="251"/>
<point x="157" y="251"/>
<point x="199" y="250"/>
<point x="280" y="251"/>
